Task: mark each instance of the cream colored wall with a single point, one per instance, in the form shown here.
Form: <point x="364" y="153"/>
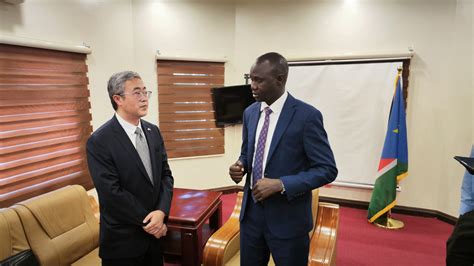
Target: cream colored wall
<point x="472" y="73"/>
<point x="454" y="102"/>
<point x="126" y="34"/>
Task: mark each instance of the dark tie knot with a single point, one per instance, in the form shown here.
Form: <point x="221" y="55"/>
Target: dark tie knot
<point x="267" y="110"/>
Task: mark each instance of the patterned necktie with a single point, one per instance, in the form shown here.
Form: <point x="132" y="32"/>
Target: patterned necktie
<point x="262" y="138"/>
<point x="142" y="149"/>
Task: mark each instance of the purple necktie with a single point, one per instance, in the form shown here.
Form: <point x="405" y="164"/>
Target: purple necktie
<point x="262" y="138"/>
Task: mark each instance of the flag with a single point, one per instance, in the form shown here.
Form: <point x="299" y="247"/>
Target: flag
<point x="393" y="165"/>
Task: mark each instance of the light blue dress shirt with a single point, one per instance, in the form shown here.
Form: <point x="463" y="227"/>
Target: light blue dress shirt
<point x="467" y="191"/>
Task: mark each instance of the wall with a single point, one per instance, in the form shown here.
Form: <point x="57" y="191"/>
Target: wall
<point x="126" y="35"/>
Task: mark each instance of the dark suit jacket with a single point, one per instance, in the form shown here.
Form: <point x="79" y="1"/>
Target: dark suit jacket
<point x="460" y="245"/>
<point x="126" y="194"/>
<point x="300" y="155"/>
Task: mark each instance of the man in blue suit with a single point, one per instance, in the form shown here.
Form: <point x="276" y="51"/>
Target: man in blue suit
<point x="285" y="154"/>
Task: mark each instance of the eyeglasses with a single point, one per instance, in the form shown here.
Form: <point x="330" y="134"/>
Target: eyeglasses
<point x="138" y="94"/>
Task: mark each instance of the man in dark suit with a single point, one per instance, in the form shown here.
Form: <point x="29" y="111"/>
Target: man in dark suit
<point x="285" y="154"/>
<point x="129" y="166"/>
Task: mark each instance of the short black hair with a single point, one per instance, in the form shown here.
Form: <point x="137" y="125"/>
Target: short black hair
<point x="277" y="61"/>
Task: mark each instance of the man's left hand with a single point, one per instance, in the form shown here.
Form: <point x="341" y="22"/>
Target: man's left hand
<point x="266" y="187"/>
<point x="155" y="222"/>
<point x="161" y="232"/>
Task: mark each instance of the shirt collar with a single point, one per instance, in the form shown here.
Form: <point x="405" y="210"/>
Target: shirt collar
<point x="277" y="105"/>
<point x="129" y="128"/>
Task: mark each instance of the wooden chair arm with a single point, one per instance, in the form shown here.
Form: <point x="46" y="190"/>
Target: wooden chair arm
<point x="218" y="244"/>
<point x="323" y="241"/>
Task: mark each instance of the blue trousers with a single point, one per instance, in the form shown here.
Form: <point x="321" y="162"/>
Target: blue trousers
<point x="257" y="241"/>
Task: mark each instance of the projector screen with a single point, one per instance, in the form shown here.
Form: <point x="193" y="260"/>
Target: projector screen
<point x="355" y="100"/>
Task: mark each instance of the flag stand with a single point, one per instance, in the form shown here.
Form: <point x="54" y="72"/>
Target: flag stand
<point x="390" y="223"/>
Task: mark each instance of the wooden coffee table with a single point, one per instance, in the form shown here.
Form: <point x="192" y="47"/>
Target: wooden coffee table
<point x="194" y="216"/>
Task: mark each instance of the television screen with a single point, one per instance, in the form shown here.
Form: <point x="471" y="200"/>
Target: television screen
<point x="230" y="103"/>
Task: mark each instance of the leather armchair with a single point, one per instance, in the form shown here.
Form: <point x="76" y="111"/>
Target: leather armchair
<point x="12" y="237"/>
<point x="60" y="227"/>
<point x="223" y="246"/>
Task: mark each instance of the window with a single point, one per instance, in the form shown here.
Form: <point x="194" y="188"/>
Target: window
<point x="185" y="110"/>
<point x="44" y="121"/>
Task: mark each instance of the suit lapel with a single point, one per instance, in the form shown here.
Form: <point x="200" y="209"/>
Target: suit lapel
<point x="252" y="131"/>
<point x="287" y="113"/>
<point x="124" y="140"/>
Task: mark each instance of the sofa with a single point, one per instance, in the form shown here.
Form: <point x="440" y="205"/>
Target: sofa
<point x="60" y="228"/>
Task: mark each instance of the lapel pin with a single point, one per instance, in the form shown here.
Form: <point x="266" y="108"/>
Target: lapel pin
<point x="148" y="129"/>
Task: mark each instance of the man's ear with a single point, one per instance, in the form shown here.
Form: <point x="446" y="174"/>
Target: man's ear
<point x="117" y="99"/>
<point x="282" y="79"/>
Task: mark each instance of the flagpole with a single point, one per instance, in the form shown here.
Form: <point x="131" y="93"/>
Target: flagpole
<point x="389" y="222"/>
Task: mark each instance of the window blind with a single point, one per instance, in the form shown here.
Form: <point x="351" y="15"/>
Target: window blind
<point x="186" y="112"/>
<point x="44" y="121"/>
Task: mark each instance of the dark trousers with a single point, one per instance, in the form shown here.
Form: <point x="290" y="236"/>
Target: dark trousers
<point x="257" y="242"/>
<point x="152" y="257"/>
<point x="460" y="245"/>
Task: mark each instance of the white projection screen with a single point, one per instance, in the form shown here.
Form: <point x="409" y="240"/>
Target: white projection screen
<point x="355" y="100"/>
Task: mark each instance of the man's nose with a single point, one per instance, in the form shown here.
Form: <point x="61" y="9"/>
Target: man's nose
<point x="253" y="85"/>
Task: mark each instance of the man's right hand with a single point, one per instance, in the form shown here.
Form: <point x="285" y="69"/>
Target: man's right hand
<point x="236" y="171"/>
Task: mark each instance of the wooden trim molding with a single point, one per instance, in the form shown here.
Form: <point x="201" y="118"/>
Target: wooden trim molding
<point x="364" y="205"/>
<point x="397" y="209"/>
<point x="228" y="189"/>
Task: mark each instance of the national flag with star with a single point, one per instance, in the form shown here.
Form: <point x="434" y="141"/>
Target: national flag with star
<point x="393" y="165"/>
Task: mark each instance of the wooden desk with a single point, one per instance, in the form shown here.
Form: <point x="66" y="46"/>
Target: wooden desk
<point x="187" y="228"/>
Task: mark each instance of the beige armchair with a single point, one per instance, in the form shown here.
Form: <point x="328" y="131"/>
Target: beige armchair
<point x="60" y="227"/>
<point x="12" y="237"/>
<point x="222" y="248"/>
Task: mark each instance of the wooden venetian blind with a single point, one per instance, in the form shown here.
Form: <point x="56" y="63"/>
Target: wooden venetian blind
<point x="186" y="113"/>
<point x="44" y="121"/>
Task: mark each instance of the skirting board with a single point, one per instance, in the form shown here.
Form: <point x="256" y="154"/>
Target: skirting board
<point x="365" y="205"/>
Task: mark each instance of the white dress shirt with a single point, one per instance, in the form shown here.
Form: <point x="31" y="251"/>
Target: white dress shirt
<point x="276" y="108"/>
<point x="130" y="129"/>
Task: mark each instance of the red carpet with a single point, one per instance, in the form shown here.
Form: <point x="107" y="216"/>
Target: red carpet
<point x="421" y="242"/>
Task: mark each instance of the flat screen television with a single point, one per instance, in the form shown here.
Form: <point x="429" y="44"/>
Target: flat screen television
<point x="230" y="103"/>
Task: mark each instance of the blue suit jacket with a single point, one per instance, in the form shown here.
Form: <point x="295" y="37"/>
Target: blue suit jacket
<point x="299" y="155"/>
